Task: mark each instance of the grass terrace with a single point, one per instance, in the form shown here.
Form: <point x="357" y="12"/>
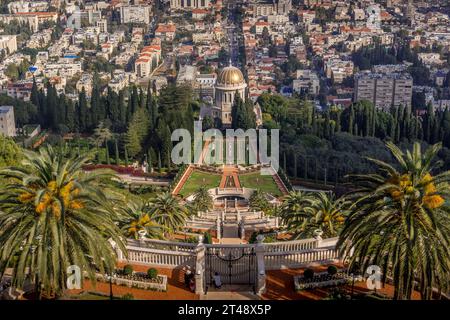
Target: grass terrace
<point x="198" y="179"/>
<point x="257" y="181"/>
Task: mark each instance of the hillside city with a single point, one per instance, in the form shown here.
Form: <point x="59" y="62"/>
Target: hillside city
<point x="91" y="92"/>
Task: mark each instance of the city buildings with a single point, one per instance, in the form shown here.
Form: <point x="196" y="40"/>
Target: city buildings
<point x="7" y="121"/>
<point x="384" y="90"/>
<point x="190" y="4"/>
<point x="306" y="81"/>
<point x="8" y="44"/>
<point x="135" y="14"/>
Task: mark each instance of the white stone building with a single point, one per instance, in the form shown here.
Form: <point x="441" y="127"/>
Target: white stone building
<point x="7" y="121"/>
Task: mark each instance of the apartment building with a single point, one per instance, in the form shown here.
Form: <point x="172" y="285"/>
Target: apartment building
<point x="307" y="81"/>
<point x="190" y="4"/>
<point x="149" y="58"/>
<point x="384" y="90"/>
<point x="20" y="90"/>
<point x="7" y="121"/>
<point x="166" y="31"/>
<point x="135" y="14"/>
<point x="8" y="43"/>
<point x="62" y="69"/>
<point x="337" y="70"/>
<point x="27" y="6"/>
<point x="119" y="81"/>
<point x="263" y="9"/>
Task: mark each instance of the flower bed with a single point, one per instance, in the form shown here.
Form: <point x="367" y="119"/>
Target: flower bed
<point x="320" y="280"/>
<point x="137" y="280"/>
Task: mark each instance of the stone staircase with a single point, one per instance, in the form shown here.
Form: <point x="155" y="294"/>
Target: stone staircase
<point x="280" y="184"/>
<point x="231" y="292"/>
<point x="183" y="180"/>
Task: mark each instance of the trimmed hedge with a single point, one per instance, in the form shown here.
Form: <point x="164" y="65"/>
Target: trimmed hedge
<point x="152" y="273"/>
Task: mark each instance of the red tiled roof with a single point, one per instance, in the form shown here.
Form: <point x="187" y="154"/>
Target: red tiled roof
<point x="163" y="28"/>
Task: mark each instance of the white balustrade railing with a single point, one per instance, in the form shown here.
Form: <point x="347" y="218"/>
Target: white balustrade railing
<point x="162" y="245"/>
<point x="330" y="242"/>
<point x="278" y="255"/>
<point x="296" y="259"/>
<point x="167" y="258"/>
<point x="298" y="245"/>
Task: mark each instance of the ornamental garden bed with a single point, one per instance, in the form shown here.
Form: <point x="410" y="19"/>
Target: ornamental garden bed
<point x="329" y="278"/>
<point x="139" y="280"/>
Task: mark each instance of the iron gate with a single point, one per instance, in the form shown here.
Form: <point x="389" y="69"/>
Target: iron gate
<point x="235" y="265"/>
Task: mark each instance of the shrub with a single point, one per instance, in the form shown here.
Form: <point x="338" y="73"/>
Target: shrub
<point x="128" y="296"/>
<point x="152" y="273"/>
<point x="128" y="270"/>
<point x="253" y="237"/>
<point x="308" y="274"/>
<point x="332" y="270"/>
<point x="207" y="239"/>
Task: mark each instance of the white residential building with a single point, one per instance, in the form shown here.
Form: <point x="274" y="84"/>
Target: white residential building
<point x="135" y="14"/>
<point x="189" y="4"/>
<point x="7" y="121"/>
<point x="8" y="44"/>
<point x="307" y="81"/>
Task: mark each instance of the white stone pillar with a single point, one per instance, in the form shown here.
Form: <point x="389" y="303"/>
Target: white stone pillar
<point x="261" y="268"/>
<point x="200" y="266"/>
<point x="318" y="236"/>
<point x="218" y="228"/>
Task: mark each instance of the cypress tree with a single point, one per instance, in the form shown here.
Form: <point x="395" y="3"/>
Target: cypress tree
<point x="126" y="155"/>
<point x="116" y="150"/>
<point x="150" y="159"/>
<point x="159" y="162"/>
<point x="83" y="110"/>
<point x="295" y="166"/>
<point x="107" y="153"/>
<point x="70" y="116"/>
<point x="122" y="109"/>
<point x="338" y="121"/>
<point x="351" y="120"/>
<point x="34" y="97"/>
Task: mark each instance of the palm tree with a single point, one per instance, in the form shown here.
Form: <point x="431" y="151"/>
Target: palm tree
<point x="168" y="212"/>
<point x="202" y="200"/>
<point x="55" y="215"/>
<point x="139" y="219"/>
<point x="294" y="211"/>
<point x="399" y="220"/>
<point x="327" y="214"/>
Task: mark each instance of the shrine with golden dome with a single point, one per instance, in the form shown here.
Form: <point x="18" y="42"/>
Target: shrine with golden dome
<point x="229" y="82"/>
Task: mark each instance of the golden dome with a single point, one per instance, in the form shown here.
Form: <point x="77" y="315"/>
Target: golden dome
<point x="230" y="76"/>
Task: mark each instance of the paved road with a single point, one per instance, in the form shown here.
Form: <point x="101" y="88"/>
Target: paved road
<point x="232" y="33"/>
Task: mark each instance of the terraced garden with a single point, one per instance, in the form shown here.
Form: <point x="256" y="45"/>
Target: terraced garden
<point x="257" y="181"/>
<point x="198" y="179"/>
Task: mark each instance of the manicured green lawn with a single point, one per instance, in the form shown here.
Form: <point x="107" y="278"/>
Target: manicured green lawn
<point x="198" y="179"/>
<point x="258" y="181"/>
